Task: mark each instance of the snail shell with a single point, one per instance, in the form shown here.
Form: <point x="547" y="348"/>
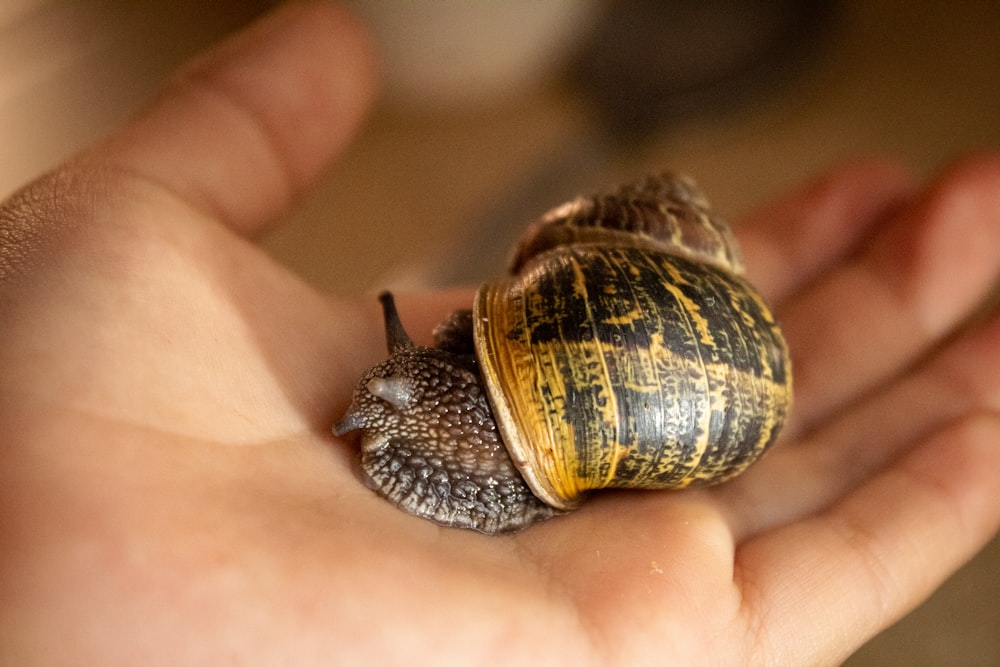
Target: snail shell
<point x="628" y="350"/>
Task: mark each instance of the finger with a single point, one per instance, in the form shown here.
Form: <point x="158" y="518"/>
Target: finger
<point x="243" y="130"/>
<point x="790" y="241"/>
<point x="909" y="287"/>
<point x="792" y="482"/>
<point x="876" y="554"/>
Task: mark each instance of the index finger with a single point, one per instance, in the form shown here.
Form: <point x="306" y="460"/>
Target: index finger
<point x="790" y="241"/>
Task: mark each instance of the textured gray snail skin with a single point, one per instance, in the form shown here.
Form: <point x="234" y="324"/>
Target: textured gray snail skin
<point x="430" y="443"/>
<point x="627" y="350"/>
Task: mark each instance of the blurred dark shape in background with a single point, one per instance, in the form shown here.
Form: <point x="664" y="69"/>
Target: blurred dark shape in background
<point x="648" y="62"/>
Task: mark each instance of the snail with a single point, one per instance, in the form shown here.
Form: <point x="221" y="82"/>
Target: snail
<point x="625" y="350"/>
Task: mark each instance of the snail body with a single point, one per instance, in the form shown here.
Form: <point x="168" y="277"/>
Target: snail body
<point x="627" y="350"/>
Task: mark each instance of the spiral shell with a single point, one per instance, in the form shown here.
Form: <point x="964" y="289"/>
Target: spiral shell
<point x="628" y="350"/>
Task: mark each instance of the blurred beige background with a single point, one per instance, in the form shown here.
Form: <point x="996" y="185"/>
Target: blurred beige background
<point x="481" y="128"/>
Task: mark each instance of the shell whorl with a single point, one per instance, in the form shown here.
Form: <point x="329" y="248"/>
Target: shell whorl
<point x="665" y="211"/>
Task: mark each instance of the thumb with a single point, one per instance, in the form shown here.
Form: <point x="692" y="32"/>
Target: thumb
<point x="241" y="131"/>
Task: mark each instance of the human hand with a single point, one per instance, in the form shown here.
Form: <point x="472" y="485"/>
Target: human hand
<point x="169" y="490"/>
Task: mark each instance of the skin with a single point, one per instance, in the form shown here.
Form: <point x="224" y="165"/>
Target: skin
<point x="170" y="493"/>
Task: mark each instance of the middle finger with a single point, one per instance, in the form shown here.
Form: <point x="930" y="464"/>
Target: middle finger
<point x="911" y="286"/>
<point x="795" y="481"/>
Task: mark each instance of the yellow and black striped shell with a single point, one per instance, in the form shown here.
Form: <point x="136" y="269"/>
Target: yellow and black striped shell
<point x="628" y="350"/>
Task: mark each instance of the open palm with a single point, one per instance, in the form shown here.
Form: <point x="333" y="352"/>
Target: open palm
<point x="170" y="493"/>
